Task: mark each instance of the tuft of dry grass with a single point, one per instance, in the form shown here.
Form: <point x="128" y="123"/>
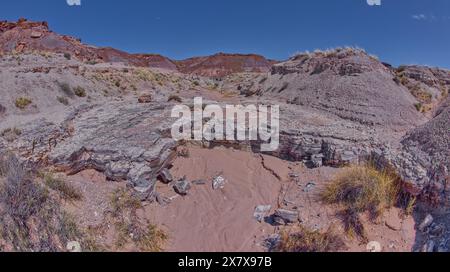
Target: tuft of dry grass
<point x="306" y="240"/>
<point x="66" y="190"/>
<point x="147" y="237"/>
<point x="360" y="189"/>
<point x="80" y="91"/>
<point x="363" y="188"/>
<point x="23" y="102"/>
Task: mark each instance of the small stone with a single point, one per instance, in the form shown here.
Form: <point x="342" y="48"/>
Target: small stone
<point x="426" y="222"/>
<point x="182" y="186"/>
<point x="146" y="98"/>
<point x="374" y="246"/>
<point x="36" y="34"/>
<point x="285" y="217"/>
<point x="261" y="211"/>
<point x="218" y="182"/>
<point x="73" y="246"/>
<point x="165" y="176"/>
<point x="309" y="187"/>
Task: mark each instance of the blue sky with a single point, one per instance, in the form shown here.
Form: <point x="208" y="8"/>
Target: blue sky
<point x="398" y="31"/>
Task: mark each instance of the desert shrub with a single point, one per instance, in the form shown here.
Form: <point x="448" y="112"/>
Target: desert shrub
<point x="11" y="134"/>
<point x="30" y="219"/>
<point x="2" y="109"/>
<point x="66" y="89"/>
<point x="196" y="83"/>
<point x="306" y="240"/>
<point x="67" y="56"/>
<point x="80" y="91"/>
<point x="175" y="98"/>
<point x="363" y="188"/>
<point x="63" y="100"/>
<point x="418" y="106"/>
<point x="23" y="102"/>
<point x="66" y="190"/>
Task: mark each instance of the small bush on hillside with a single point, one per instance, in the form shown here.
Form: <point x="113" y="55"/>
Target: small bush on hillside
<point x="67" y="56"/>
<point x="305" y="240"/>
<point x="80" y="91"/>
<point x="11" y="134"/>
<point x="63" y="100"/>
<point x="23" y="102"/>
<point x="66" y="89"/>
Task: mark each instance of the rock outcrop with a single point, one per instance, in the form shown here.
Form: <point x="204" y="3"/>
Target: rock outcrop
<point x="123" y="140"/>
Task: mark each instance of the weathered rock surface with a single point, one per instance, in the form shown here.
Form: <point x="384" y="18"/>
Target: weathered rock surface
<point x="125" y="141"/>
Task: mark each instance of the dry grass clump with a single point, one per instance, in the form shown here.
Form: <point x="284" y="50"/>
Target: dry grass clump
<point x="30" y="219"/>
<point x="11" y="134"/>
<point x="80" y="91"/>
<point x="147" y="237"/>
<point x="66" y="89"/>
<point x="361" y="189"/>
<point x="23" y="102"/>
<point x="306" y="240"/>
<point x="66" y="190"/>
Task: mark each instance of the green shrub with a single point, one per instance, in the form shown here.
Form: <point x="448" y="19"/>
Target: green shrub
<point x="23" y="102"/>
<point x="80" y="91"/>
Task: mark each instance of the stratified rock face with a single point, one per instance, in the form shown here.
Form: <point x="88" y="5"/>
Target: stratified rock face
<point x="125" y="141"/>
<point x="347" y="83"/>
<point x="221" y="64"/>
<point x="424" y="161"/>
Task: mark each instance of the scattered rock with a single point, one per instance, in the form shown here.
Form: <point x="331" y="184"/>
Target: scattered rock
<point x="218" y="182"/>
<point x="309" y="187"/>
<point x="36" y="35"/>
<point x="261" y="212"/>
<point x="165" y="176"/>
<point x="182" y="186"/>
<point x="285" y="217"/>
<point x="374" y="246"/>
<point x="73" y="246"/>
<point x="146" y="98"/>
<point x="426" y="223"/>
<point x="429" y="246"/>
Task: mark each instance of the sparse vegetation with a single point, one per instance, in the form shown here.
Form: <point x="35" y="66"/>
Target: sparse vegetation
<point x="175" y="98"/>
<point x="306" y="240"/>
<point x="66" y="89"/>
<point x="66" y="190"/>
<point x="418" y="106"/>
<point x="23" y="102"/>
<point x="147" y="237"/>
<point x="80" y="91"/>
<point x="11" y="134"/>
<point x="67" y="56"/>
<point x="361" y="189"/>
<point x="63" y="100"/>
<point x="30" y="219"/>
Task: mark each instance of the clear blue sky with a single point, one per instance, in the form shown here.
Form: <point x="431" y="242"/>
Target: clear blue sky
<point x="398" y="31"/>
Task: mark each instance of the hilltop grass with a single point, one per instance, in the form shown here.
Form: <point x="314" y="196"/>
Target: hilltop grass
<point x="23" y="102"/>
